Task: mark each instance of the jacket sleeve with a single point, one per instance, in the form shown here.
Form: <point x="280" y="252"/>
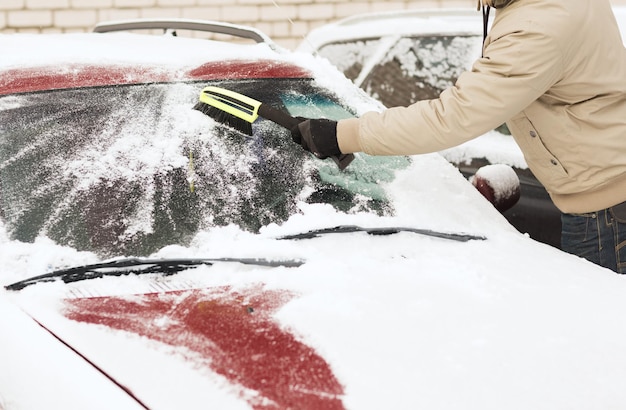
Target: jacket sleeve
<point x="517" y="68"/>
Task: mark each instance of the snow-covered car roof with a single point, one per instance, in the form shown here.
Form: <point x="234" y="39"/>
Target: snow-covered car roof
<point x="140" y="48"/>
<point x="434" y="302"/>
<point x="443" y="21"/>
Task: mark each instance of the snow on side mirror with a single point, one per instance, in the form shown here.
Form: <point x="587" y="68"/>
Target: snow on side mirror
<point x="499" y="184"/>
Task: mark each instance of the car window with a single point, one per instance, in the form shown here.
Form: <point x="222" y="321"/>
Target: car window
<point x="419" y="68"/>
<point x="350" y="56"/>
<point x="130" y="169"/>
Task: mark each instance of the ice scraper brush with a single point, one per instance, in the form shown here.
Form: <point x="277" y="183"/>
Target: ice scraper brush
<point x="240" y="111"/>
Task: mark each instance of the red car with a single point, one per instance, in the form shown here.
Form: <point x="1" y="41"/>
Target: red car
<point x="153" y="257"/>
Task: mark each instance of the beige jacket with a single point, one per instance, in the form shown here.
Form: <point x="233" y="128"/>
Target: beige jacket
<point x="555" y="72"/>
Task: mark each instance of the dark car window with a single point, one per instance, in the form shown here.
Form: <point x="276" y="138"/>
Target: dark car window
<point x="401" y="69"/>
<point x="130" y="169"/>
<point x="420" y="68"/>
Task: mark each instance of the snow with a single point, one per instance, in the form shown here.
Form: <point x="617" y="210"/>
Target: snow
<point x="501" y="178"/>
<point x="470" y="318"/>
<point x="493" y="146"/>
<point x="148" y="50"/>
<point x="405" y="321"/>
<point x="36" y="372"/>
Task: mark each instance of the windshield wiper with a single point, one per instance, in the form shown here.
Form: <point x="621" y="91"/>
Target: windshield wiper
<point x="383" y="231"/>
<point x="139" y="266"/>
<point x="166" y="267"/>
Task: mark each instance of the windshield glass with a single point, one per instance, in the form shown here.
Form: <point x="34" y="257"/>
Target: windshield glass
<point x="130" y="169"/>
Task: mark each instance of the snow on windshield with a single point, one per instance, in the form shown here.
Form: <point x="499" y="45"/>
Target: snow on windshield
<point x="131" y="169"/>
<point x="127" y="165"/>
<point x="158" y="136"/>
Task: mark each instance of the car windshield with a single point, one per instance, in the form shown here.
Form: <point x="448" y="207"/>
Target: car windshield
<point x="130" y="169"/>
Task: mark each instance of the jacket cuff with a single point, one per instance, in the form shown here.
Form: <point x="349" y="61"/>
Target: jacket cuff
<point x="348" y="137"/>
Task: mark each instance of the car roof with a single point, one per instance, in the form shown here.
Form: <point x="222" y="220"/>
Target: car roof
<point x="449" y="21"/>
<point x="95" y="59"/>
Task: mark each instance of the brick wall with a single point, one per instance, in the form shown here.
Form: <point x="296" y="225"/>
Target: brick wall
<point x="286" y="21"/>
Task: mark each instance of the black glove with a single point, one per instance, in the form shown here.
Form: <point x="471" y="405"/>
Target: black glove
<point x="318" y="136"/>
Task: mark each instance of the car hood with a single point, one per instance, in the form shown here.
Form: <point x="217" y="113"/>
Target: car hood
<point x="179" y="347"/>
<point x="416" y="315"/>
<point x="500" y="322"/>
<point x="245" y="343"/>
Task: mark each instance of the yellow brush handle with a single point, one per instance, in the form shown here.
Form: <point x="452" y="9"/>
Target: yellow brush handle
<point x="247" y="109"/>
<point x="233" y="103"/>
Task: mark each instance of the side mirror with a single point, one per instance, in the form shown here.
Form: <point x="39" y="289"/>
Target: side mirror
<point x="499" y="184"/>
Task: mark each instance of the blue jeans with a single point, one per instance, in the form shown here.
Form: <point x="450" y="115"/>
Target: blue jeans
<point x="599" y="237"/>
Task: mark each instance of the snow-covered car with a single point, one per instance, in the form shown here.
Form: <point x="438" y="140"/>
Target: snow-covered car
<point x="153" y="257"/>
<point x="400" y="57"/>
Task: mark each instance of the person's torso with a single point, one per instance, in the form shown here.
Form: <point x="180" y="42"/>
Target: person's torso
<point x="574" y="135"/>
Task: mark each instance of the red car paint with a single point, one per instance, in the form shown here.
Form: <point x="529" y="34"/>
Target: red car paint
<point x="235" y="333"/>
<point x="82" y="75"/>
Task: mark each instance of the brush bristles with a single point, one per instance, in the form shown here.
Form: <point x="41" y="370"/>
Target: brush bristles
<point x="225" y="118"/>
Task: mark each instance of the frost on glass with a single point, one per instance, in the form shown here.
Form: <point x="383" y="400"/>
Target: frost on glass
<point x="350" y="57"/>
<point x="130" y="169"/>
<point x="420" y="68"/>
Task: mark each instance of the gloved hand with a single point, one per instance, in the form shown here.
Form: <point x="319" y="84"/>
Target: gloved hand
<point x="318" y="136"/>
